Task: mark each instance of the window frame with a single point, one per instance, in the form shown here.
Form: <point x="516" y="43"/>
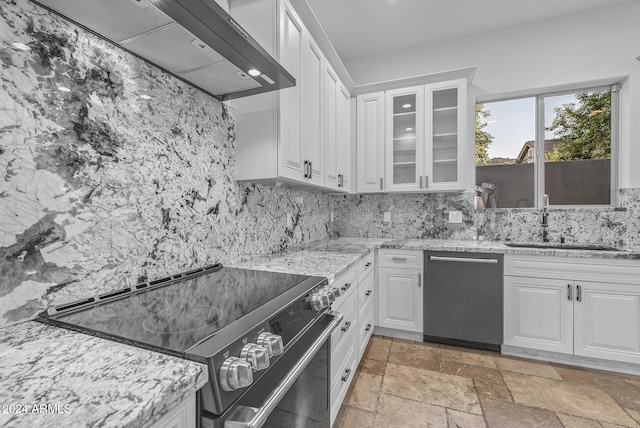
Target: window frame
<point x="539" y="179"/>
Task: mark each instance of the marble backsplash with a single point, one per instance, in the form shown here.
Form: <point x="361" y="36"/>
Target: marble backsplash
<point x="419" y="216"/>
<point x="112" y="172"/>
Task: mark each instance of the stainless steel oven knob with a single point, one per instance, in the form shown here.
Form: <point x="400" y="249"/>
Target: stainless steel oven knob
<point x="320" y="301"/>
<point x="256" y="355"/>
<point x="235" y="373"/>
<point x="272" y="342"/>
<point x="336" y="291"/>
<point x="327" y="291"/>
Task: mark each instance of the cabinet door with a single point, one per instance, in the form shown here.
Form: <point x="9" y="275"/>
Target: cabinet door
<point x="400" y="299"/>
<point x="538" y="314"/>
<point x="607" y="321"/>
<point x="331" y="116"/>
<point x="445" y="142"/>
<point x="370" y="143"/>
<point x="292" y="50"/>
<point x="404" y="145"/>
<point x="344" y="139"/>
<point x="313" y="107"/>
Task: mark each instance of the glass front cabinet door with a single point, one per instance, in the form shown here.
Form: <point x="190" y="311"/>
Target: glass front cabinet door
<point x="425" y="134"/>
<point x="445" y="134"/>
<point x="405" y="139"/>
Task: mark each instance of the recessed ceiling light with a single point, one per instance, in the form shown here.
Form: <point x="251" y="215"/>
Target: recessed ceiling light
<point x="21" y="46"/>
<point x="253" y="72"/>
<point x="406" y="105"/>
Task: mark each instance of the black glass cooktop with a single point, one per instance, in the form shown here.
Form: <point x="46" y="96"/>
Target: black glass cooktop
<point x="177" y="316"/>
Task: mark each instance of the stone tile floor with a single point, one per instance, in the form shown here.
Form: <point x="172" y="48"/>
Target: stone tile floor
<point x="401" y="383"/>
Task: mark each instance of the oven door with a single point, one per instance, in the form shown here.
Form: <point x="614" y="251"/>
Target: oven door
<point x="294" y="392"/>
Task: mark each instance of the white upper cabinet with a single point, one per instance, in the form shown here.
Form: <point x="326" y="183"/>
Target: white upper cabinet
<point x="313" y="109"/>
<point x="370" y="142"/>
<point x="292" y="51"/>
<point x="344" y="139"/>
<point x="424" y="142"/>
<point x="336" y="133"/>
<point x="282" y="136"/>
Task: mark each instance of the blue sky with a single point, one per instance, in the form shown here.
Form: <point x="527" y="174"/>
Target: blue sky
<point x="512" y="123"/>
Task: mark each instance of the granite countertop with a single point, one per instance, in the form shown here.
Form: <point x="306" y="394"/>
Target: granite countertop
<point x="499" y="247"/>
<point x="328" y="258"/>
<point x="87" y="381"/>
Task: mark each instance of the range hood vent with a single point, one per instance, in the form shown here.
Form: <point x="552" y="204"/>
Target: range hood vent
<point x="195" y="40"/>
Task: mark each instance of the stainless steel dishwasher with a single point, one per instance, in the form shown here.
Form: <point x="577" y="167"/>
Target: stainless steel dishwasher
<point x="463" y="299"/>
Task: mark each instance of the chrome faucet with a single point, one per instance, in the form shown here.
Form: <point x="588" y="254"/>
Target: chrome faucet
<point x="545" y="218"/>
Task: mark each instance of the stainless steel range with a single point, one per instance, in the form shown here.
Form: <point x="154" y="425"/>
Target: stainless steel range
<point x="265" y="337"/>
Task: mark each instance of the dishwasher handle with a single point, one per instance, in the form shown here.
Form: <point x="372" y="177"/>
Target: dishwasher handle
<point x="463" y="260"/>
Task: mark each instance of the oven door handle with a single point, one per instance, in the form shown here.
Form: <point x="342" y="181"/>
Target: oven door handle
<point x="251" y="417"/>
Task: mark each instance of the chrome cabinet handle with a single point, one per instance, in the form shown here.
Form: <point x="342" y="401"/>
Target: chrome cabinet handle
<point x="426" y="181"/>
<point x="578" y="293"/>
<point x="462" y="259"/>
<point x="368" y="293"/>
<point x="346" y="326"/>
<point x="310" y="169"/>
<point x="421" y="182"/>
<point x="367" y="265"/>
<point x="569" y="292"/>
<point x="368" y="327"/>
<point x="419" y="280"/>
<point x="381" y="184"/>
<point x="346" y="286"/>
<point x="346" y="375"/>
<point x="244" y="416"/>
<point x="399" y="259"/>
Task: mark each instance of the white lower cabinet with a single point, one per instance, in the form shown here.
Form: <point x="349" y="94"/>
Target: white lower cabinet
<point x="400" y="290"/>
<point x="350" y="338"/>
<point x="182" y="416"/>
<point x="573" y="310"/>
<point x="538" y="314"/>
<point x="607" y="321"/>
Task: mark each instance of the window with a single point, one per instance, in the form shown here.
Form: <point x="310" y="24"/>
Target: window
<point x="560" y="147"/>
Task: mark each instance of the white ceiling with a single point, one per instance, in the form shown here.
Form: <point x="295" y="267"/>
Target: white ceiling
<point x="360" y="28"/>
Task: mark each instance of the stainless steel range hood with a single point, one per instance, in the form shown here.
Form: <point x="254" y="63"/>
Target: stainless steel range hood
<point x="195" y="40"/>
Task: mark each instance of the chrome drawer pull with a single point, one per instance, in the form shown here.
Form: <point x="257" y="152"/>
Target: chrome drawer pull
<point x="367" y="265"/>
<point x="368" y="293"/>
<point x="346" y="375"/>
<point x="399" y="259"/>
<point x="569" y="292"/>
<point x="346" y="286"/>
<point x="368" y="327"/>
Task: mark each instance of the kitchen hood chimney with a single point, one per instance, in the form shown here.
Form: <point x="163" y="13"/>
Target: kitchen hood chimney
<point x="195" y="40"/>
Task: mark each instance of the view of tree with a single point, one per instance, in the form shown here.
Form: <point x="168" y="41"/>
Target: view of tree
<point x="483" y="138"/>
<point x="583" y="128"/>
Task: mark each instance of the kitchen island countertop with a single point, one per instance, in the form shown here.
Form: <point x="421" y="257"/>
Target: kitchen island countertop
<point x="53" y="377"/>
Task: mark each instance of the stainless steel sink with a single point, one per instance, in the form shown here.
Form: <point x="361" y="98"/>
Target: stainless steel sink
<point x="560" y="246"/>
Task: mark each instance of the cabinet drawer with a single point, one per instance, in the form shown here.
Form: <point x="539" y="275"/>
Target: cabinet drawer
<point x="365" y="266"/>
<point x="347" y="284"/>
<point x="343" y="374"/>
<point x="573" y="268"/>
<point x="366" y="329"/>
<point x="366" y="291"/>
<point x="399" y="258"/>
<point x="350" y="322"/>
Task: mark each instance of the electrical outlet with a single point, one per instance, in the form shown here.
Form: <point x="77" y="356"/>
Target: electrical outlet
<point x="387" y="217"/>
<point x="289" y="220"/>
<point x="455" y="216"/>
